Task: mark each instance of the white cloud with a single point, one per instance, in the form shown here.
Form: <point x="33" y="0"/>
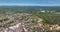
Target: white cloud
<point x="21" y="4"/>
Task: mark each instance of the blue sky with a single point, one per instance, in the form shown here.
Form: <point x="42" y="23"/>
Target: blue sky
<point x="31" y="2"/>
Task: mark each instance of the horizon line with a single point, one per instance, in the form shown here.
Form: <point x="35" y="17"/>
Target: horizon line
<point x="21" y="4"/>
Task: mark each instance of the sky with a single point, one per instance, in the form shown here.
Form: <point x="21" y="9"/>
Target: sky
<point x="31" y="2"/>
